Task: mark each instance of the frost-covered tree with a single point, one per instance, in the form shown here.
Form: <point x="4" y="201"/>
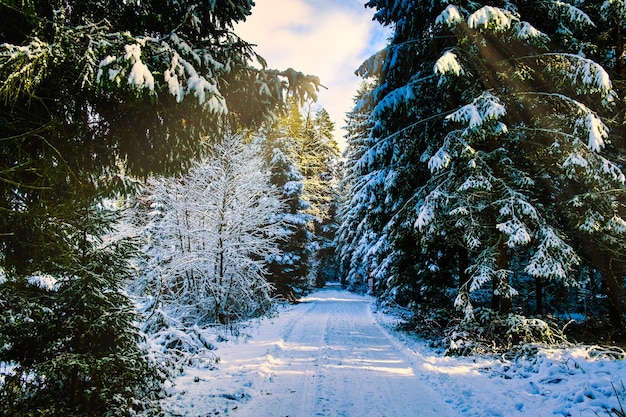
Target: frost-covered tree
<point x="318" y="155"/>
<point x="488" y="149"/>
<point x="523" y="166"/>
<point x="210" y="234"/>
<point x="609" y="50"/>
<point x="306" y="139"/>
<point x="400" y="116"/>
<point x="92" y="93"/>
<point x="289" y="270"/>
<point x="308" y="134"/>
<point x="354" y="236"/>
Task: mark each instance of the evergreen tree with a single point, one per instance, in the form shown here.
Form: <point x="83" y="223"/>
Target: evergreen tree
<point x="92" y="93"/>
<point x="288" y="271"/>
<point x="402" y="118"/>
<point x="315" y="152"/>
<point x="353" y="234"/>
<point x="533" y="141"/>
<point x="607" y="47"/>
<point x="318" y="155"/>
<point x="307" y="140"/>
<point x="488" y="146"/>
<point x="70" y="332"/>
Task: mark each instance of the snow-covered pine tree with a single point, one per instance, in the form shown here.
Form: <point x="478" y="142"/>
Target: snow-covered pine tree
<point x="210" y="236"/>
<point x="404" y="117"/>
<point x="525" y="150"/>
<point x="289" y="270"/>
<point x="353" y="235"/>
<point x="608" y="48"/>
<point x="518" y="143"/>
<point x="318" y="155"/>
<point x="92" y="92"/>
<point x="69" y="334"/>
<point x="306" y="139"/>
<point x="308" y="134"/>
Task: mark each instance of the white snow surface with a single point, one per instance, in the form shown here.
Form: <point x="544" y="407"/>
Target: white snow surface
<point x="336" y="354"/>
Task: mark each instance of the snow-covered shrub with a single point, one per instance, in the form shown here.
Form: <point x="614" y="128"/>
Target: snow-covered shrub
<point x="491" y="331"/>
<point x="174" y="349"/>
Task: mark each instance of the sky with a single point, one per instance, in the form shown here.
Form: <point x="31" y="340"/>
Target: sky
<point x="327" y="38"/>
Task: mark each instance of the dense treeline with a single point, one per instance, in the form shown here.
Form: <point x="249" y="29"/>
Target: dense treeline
<point x="485" y="163"/>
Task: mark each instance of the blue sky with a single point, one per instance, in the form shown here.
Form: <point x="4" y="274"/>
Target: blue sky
<point x="326" y="38"/>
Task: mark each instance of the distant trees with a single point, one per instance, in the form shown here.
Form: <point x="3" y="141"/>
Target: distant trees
<point x="288" y="270"/>
<point x="93" y="95"/>
<point x="487" y="157"/>
<point x="303" y="138"/>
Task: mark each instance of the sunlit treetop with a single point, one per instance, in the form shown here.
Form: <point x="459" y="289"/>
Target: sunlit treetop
<point x="141" y="81"/>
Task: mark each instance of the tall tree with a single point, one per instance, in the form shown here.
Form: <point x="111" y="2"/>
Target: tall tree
<point x="318" y="154"/>
<point x="515" y="166"/>
<point x="93" y="92"/>
<point x="353" y="234"/>
<point x="307" y="141"/>
<point x="289" y="270"/>
<point x="489" y="144"/>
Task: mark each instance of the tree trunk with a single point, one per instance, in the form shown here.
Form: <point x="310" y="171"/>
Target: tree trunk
<point x="619" y="51"/>
<point x="539" y="295"/>
<point x="615" y="291"/>
<point x="463" y="265"/>
<point x="501" y="303"/>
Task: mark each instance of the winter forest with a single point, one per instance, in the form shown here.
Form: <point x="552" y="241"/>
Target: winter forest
<point x="158" y="177"/>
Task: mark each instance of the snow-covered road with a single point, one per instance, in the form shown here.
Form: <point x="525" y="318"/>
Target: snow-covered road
<point x="332" y="356"/>
<point x="326" y="356"/>
<point x="332" y="359"/>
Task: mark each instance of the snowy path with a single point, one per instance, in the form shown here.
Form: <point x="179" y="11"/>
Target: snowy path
<point x="326" y="356"/>
<point x="331" y="351"/>
<point x="331" y="356"/>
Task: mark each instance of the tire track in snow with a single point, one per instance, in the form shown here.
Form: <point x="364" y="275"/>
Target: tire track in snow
<point x="332" y="359"/>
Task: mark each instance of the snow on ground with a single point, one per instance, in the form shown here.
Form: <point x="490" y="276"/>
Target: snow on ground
<point x="335" y="355"/>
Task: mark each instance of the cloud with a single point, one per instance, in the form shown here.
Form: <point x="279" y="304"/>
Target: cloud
<point x="327" y="38"/>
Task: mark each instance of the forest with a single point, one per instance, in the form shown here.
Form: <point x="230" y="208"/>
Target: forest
<point x="158" y="177"/>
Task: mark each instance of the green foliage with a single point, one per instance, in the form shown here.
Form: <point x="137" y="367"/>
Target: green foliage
<point x="71" y="337"/>
<point x="95" y="95"/>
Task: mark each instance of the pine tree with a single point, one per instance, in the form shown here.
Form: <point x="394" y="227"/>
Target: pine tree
<point x="526" y="137"/>
<point x="488" y="146"/>
<point x="71" y="334"/>
<point x="289" y="270"/>
<point x="403" y="120"/>
<point x="608" y="49"/>
<point x="353" y="233"/>
<point x="307" y="140"/>
<point x="319" y="155"/>
<point x="93" y="93"/>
